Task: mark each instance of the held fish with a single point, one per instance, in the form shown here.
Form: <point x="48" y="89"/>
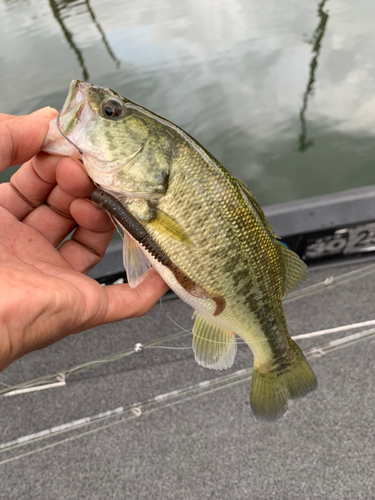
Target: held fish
<point x="199" y="227"/>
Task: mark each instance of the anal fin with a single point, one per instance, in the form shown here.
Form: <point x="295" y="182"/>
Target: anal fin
<point x="213" y="346"/>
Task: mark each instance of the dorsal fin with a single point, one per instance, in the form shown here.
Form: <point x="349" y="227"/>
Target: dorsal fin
<point x="213" y="346"/>
<point x="293" y="269"/>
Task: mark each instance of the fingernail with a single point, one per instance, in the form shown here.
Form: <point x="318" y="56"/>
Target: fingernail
<point x="44" y="111"/>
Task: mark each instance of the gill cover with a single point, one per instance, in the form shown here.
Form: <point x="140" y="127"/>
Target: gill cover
<point x="122" y="148"/>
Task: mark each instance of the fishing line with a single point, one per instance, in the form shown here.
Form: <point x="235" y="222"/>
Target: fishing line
<point x="76" y="424"/>
<point x="146" y="408"/>
<point x="342" y="342"/>
<point x="136" y="414"/>
<point x="52" y="445"/>
<point x="172" y="320"/>
<point x="331" y="281"/>
<point x="53" y="380"/>
<point x="126" y="419"/>
<point x="337" y="329"/>
<point x="56" y="377"/>
<point x="169" y="347"/>
<point x="189" y="332"/>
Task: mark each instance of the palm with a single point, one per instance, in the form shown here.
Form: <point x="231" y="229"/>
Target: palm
<point x="45" y="294"/>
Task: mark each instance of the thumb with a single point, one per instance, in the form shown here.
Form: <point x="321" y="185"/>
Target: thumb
<point x="21" y="137"/>
<point x="124" y="302"/>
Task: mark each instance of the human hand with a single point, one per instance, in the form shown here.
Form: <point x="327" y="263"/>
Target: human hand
<point x="44" y="293"/>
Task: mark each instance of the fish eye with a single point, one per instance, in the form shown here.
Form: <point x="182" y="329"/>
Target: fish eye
<point x="112" y="109"/>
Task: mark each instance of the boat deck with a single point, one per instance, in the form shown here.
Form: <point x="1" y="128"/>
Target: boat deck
<point x="174" y="430"/>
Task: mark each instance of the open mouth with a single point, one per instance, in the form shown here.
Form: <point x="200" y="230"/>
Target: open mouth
<point x="72" y="110"/>
<point x="57" y="140"/>
<point x="73" y="106"/>
<point x="77" y="92"/>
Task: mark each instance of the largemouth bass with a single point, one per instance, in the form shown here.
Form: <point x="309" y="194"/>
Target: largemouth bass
<point x="200" y="227"/>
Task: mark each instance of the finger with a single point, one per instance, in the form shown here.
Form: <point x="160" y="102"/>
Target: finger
<point x="87" y="245"/>
<point x="73" y="179"/>
<point x="22" y="136"/>
<point x="35" y="182"/>
<point x="125" y="302"/>
<point x="60" y="201"/>
<point x="30" y="185"/>
<point x="90" y="240"/>
<point x="90" y="216"/>
<point x="53" y="224"/>
<point x="85" y="248"/>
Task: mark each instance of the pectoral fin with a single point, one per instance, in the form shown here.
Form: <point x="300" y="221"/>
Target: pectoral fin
<point x="163" y="223"/>
<point x="135" y="263"/>
<point x="213" y="346"/>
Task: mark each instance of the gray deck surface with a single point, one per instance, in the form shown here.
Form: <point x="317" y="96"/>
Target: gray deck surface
<point x="201" y="444"/>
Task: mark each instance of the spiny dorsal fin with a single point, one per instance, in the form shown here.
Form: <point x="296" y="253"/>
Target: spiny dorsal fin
<point x="293" y="269"/>
<point x="163" y="223"/>
<point x="250" y="198"/>
<point x="135" y="263"/>
<point x="213" y="346"/>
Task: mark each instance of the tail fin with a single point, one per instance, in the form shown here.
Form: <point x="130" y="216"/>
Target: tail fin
<point x="272" y="390"/>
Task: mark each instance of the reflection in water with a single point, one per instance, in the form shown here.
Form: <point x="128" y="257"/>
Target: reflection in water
<point x="104" y="38"/>
<point x="232" y="73"/>
<point x="69" y="37"/>
<point x="303" y="143"/>
<point x="57" y="7"/>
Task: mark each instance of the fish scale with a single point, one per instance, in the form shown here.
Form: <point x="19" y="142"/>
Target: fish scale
<point x="224" y="204"/>
<point x="202" y="230"/>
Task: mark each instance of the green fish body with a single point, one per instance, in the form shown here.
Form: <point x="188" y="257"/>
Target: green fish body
<point x="220" y="254"/>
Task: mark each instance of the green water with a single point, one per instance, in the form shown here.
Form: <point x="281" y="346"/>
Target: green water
<point x="282" y="93"/>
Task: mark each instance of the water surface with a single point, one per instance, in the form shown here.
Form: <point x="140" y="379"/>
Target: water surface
<point x="282" y="93"/>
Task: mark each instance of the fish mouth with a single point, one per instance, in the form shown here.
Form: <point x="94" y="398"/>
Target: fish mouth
<point x="57" y="141"/>
<point x="73" y="107"/>
<point x="78" y="90"/>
